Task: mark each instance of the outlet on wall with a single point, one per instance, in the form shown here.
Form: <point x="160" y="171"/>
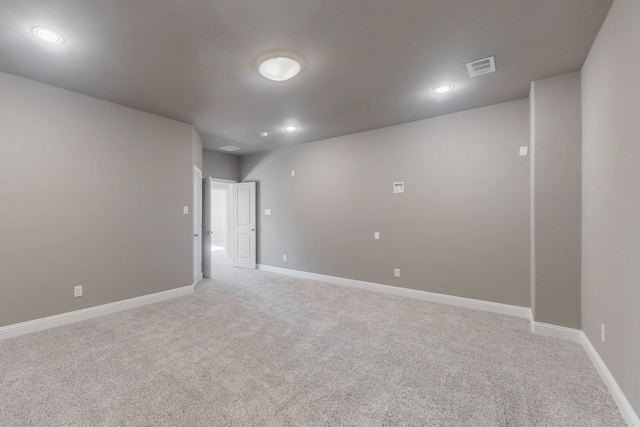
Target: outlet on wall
<point x="602" y="331"/>
<point x="284" y="257"/>
<point x="396" y="272"/>
<point x="376" y="235"/>
<point x="77" y="291"/>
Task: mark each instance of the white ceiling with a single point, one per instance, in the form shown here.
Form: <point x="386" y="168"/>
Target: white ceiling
<point x="366" y="63"/>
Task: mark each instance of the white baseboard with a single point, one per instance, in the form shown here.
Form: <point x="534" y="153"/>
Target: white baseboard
<point x="18" y="329"/>
<point x="560" y="332"/>
<point x="618" y="396"/>
<point x="493" y="307"/>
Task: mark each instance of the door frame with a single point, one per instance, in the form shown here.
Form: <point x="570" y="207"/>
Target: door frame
<point x="197" y="228"/>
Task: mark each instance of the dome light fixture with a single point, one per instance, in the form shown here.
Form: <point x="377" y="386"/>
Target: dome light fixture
<point x="291" y="128"/>
<point x="47" y="35"/>
<point x="443" y="88"/>
<point x="264" y="134"/>
<point x="279" y="68"/>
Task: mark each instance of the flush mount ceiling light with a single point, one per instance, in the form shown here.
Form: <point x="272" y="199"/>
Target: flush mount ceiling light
<point x="279" y="68"/>
<point x="291" y="128"/>
<point x="264" y="134"/>
<point x="443" y="88"/>
<point x="47" y="35"/>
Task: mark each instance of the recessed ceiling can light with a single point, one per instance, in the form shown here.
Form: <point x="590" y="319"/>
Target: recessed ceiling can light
<point x="279" y="68"/>
<point x="47" y="35"/>
<point x="291" y="128"/>
<point x="443" y="88"/>
<point x="264" y="134"/>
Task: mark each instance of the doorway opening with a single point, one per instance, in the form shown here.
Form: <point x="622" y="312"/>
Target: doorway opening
<point x="220" y="233"/>
<point x="217" y="244"/>
<point x="229" y="224"/>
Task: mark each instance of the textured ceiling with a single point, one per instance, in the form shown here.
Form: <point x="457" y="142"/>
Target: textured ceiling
<point x="366" y="63"/>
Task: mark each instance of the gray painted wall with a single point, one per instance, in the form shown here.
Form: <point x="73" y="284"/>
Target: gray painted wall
<point x="461" y="228"/>
<point x="92" y="195"/>
<point x="221" y="165"/>
<point x="611" y="196"/>
<point x="556" y="144"/>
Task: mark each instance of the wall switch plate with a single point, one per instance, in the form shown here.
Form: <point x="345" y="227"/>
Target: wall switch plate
<point x="376" y="235"/>
<point x="398" y="187"/>
<point x="267" y="211"/>
<point x="77" y="291"/>
<point x="284" y="257"/>
<point x="602" y="332"/>
<point x="185" y="210"/>
<point x="396" y="272"/>
<point x="524" y="151"/>
<point x="293" y="173"/>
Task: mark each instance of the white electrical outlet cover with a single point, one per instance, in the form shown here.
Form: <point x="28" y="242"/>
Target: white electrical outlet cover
<point x="396" y="272"/>
<point x="293" y="173"/>
<point x="185" y="210"/>
<point x="376" y="235"/>
<point x="524" y="151"/>
<point x="267" y="211"/>
<point x="398" y="187"/>
<point x="284" y="257"/>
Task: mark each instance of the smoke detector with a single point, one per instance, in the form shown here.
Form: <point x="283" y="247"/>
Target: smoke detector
<point x="481" y="66"/>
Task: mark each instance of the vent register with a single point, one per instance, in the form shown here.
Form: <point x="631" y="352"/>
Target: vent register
<point x="482" y="66"/>
<point x="229" y="148"/>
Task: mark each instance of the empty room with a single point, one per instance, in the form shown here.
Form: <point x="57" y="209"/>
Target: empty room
<point x="319" y="213"/>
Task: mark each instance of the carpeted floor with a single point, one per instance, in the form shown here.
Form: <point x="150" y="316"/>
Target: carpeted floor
<point x="258" y="349"/>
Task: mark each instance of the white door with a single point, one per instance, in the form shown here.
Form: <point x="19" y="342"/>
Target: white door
<point x="197" y="225"/>
<point x="206" y="225"/>
<point x="244" y="224"/>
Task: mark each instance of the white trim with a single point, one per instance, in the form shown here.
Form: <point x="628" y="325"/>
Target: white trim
<point x="618" y="396"/>
<point x="493" y="307"/>
<point x="36" y="325"/>
<point x="223" y="181"/>
<point x="197" y="225"/>
<point x="560" y="332"/>
<point x="532" y="197"/>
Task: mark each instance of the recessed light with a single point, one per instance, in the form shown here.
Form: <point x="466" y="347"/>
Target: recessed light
<point x="279" y="68"/>
<point x="291" y="128"/>
<point x="443" y="88"/>
<point x="264" y="134"/>
<point x="47" y="35"/>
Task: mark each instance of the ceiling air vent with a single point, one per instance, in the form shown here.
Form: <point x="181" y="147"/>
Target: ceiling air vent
<point x="481" y="66"/>
<point x="229" y="148"/>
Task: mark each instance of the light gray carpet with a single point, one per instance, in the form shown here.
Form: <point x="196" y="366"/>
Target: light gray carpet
<point x="259" y="349"/>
